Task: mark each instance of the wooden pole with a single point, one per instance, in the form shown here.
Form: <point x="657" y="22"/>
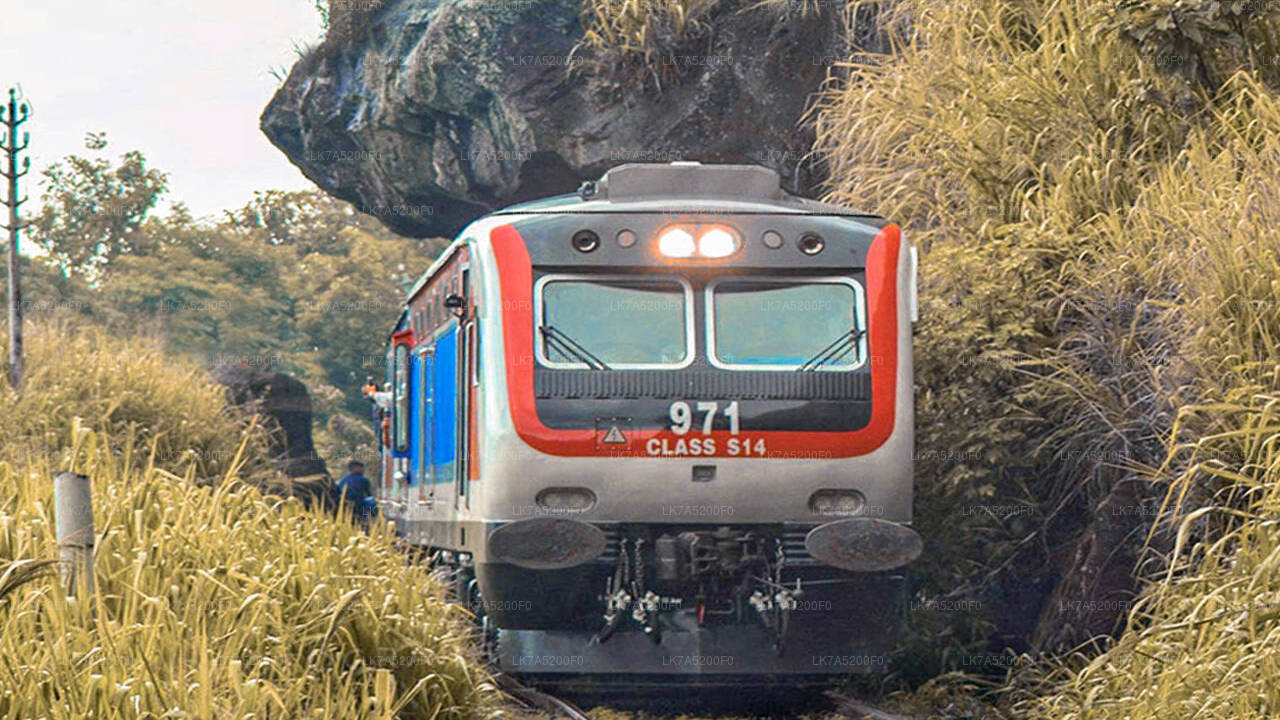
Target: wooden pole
<point x="73" y="513"/>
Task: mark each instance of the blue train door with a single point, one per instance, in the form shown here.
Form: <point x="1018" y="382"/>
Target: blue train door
<point x="444" y="391"/>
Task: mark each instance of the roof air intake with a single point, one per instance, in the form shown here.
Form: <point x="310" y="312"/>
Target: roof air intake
<point x="689" y="179"/>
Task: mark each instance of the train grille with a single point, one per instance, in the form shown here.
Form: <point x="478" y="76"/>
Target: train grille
<point x="702" y="383"/>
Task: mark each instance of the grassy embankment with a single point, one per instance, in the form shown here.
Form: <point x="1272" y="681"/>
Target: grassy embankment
<point x="1097" y="189"/>
<point x="214" y="599"/>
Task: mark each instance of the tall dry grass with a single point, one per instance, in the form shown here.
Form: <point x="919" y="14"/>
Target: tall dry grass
<point x="640" y="34"/>
<point x="213" y="599"/>
<point x="1101" y="291"/>
<point x="123" y="389"/>
<point x="640" y="26"/>
<point x="1203" y="640"/>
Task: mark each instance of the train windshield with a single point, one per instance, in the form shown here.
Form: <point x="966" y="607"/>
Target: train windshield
<point x="614" y="323"/>
<point x="813" y="325"/>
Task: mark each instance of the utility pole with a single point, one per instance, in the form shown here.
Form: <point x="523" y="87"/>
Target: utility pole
<point x="16" y="115"/>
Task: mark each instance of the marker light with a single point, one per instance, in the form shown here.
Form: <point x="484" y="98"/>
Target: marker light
<point x="811" y="244"/>
<point x="585" y="241"/>
<point x="676" y="242"/>
<point x="717" y="243"/>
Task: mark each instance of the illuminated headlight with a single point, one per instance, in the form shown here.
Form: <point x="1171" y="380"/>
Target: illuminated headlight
<point x="717" y="243"/>
<point x="566" y="499"/>
<point x="837" y="502"/>
<point x="676" y="242"/>
<point x="712" y="242"/>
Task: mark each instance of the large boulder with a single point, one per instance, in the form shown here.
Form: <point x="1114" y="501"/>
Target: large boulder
<point x="284" y="400"/>
<point x="434" y="112"/>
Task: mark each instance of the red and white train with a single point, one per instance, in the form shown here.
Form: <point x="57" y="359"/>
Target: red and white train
<point x="663" y="427"/>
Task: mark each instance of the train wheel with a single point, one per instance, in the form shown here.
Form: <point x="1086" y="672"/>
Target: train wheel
<point x="488" y="631"/>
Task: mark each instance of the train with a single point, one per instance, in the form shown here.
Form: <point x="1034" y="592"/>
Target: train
<point x="661" y="429"/>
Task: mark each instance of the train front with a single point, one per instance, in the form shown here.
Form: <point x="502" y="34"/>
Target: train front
<point x="697" y="431"/>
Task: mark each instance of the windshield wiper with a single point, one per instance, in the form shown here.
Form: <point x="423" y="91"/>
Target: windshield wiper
<point x="566" y="345"/>
<point x="836" y="350"/>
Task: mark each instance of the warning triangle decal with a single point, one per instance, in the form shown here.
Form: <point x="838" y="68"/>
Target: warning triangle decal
<point x="615" y="436"/>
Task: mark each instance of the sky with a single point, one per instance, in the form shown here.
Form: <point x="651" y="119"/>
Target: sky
<point x="184" y="81"/>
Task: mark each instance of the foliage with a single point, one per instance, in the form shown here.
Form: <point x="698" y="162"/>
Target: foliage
<point x="344" y="20"/>
<point x="642" y="30"/>
<point x="213" y="599"/>
<point x="644" y="35"/>
<point x="1199" y="39"/>
<point x="1095" y="257"/>
<point x="81" y="377"/>
<point x="92" y="211"/>
<point x="293" y="281"/>
<point x="1200" y="639"/>
<point x="1202" y="642"/>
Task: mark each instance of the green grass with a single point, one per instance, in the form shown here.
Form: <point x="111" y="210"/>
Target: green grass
<point x="213" y="598"/>
<point x="344" y="21"/>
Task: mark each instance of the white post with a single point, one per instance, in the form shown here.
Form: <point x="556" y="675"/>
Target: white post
<point x="73" y="512"/>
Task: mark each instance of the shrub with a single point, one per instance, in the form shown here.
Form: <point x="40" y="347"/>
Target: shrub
<point x="80" y="375"/>
<point x="1094" y="230"/>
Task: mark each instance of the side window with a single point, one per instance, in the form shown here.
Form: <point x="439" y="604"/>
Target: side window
<point x="400" y="413"/>
<point x="475" y="353"/>
<point x="422" y="433"/>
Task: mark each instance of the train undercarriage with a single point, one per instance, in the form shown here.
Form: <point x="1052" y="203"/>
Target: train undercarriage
<point x="695" y="604"/>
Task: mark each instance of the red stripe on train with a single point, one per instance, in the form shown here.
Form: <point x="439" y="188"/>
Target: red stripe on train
<point x="515" y="272"/>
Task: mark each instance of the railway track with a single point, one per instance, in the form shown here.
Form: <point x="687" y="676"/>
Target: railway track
<point x="537" y="700"/>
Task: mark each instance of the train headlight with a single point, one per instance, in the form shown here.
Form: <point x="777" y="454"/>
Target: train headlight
<point x="717" y="243"/>
<point x="689" y="241"/>
<point x="676" y="242"/>
<point x="566" y="499"/>
<point x="837" y="502"/>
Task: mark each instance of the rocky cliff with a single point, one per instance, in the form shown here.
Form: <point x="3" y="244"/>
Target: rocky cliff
<point x="435" y="111"/>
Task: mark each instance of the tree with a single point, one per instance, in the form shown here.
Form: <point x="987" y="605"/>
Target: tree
<point x="296" y="281"/>
<point x="92" y="211"/>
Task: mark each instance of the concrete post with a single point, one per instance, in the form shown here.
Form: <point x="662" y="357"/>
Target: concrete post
<point x="73" y="512"/>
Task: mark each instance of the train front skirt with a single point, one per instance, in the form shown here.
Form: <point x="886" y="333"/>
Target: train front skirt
<point x="815" y="653"/>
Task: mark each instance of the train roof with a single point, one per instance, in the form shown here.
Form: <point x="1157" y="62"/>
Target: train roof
<point x="683" y="187"/>
<point x="677" y="187"/>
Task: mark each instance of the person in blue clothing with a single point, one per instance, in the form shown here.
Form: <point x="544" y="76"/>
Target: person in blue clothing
<point x="355" y="492"/>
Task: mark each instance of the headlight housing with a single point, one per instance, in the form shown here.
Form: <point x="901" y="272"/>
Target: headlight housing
<point x="839" y="503"/>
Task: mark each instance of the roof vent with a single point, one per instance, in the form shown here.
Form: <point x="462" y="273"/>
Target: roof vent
<point x="689" y="179"/>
